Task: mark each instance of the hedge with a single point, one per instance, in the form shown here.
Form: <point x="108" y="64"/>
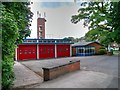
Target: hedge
<point x="102" y="51"/>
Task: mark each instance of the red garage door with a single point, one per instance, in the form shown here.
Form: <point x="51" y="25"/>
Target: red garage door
<point x="46" y="51"/>
<point x="26" y="52"/>
<point x="63" y="50"/>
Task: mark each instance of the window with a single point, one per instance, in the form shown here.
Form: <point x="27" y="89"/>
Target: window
<point x="40" y="34"/>
<point x="40" y="51"/>
<point x="91" y="50"/>
<point x="87" y="50"/>
<point x="25" y="52"/>
<point x="33" y="52"/>
<point x="40" y="40"/>
<point x="40" y="28"/>
<point x="29" y="52"/>
<point x="66" y="49"/>
<point x="80" y="50"/>
<point x="20" y="52"/>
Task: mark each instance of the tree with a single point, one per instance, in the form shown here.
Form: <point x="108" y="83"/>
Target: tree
<point x="99" y="35"/>
<point x="116" y="21"/>
<point x="22" y="15"/>
<point x="72" y="39"/>
<point x="15" y="22"/>
<point x="69" y="38"/>
<point x="100" y="18"/>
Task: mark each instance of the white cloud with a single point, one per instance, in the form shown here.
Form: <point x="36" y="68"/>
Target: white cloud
<point x="58" y="23"/>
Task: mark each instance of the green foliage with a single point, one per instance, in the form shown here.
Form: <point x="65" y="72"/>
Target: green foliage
<point x="116" y="51"/>
<point x="102" y="51"/>
<point x="9" y="35"/>
<point x="116" y="21"/>
<point x="72" y="39"/>
<point x="7" y="72"/>
<point x="104" y="36"/>
<point x="15" y="22"/>
<point x="23" y="17"/>
<point x="103" y="20"/>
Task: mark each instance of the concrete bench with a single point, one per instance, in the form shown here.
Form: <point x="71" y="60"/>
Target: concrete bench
<point x="52" y="72"/>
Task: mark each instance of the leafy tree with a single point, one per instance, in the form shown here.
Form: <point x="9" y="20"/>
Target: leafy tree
<point x="116" y="21"/>
<point x="22" y="15"/>
<point x="72" y="39"/>
<point x="102" y="18"/>
<point x="69" y="38"/>
<point x="15" y="20"/>
<point x="103" y="36"/>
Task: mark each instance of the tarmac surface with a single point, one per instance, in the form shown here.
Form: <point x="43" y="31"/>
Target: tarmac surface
<point x="96" y="72"/>
<point x="78" y="79"/>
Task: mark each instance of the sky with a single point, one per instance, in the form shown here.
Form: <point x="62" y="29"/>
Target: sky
<point x="58" y="16"/>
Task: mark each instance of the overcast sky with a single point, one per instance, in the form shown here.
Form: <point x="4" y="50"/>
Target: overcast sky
<point x="58" y="16"/>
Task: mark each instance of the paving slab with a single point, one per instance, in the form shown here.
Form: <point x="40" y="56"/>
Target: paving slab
<point x="78" y="79"/>
<point x="24" y="76"/>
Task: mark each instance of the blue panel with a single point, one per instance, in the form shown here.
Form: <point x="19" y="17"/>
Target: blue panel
<point x="84" y="54"/>
<point x="46" y="41"/>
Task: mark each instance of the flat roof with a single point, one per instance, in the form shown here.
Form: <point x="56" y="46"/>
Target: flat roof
<point x="46" y="41"/>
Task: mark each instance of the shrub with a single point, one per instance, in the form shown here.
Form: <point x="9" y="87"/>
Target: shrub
<point x="102" y="51"/>
<point x="7" y="73"/>
<point x="9" y="36"/>
<point x="15" y="23"/>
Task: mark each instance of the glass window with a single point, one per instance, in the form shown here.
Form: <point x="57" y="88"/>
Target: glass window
<point x="80" y="50"/>
<point x="20" y="52"/>
<point x="66" y="49"/>
<point x="91" y="49"/>
<point x="25" y="52"/>
<point x="40" y="50"/>
<point x="29" y="52"/>
<point x="87" y="50"/>
<point x="40" y="28"/>
<point x="40" y="40"/>
<point x="33" y="52"/>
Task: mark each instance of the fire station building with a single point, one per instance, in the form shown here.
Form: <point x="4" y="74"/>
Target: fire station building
<point x="84" y="48"/>
<point x="32" y="49"/>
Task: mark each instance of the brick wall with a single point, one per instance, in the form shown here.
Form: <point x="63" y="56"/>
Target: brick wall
<point x="97" y="46"/>
<point x="52" y="73"/>
<point x="73" y="67"/>
<point x="41" y="21"/>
